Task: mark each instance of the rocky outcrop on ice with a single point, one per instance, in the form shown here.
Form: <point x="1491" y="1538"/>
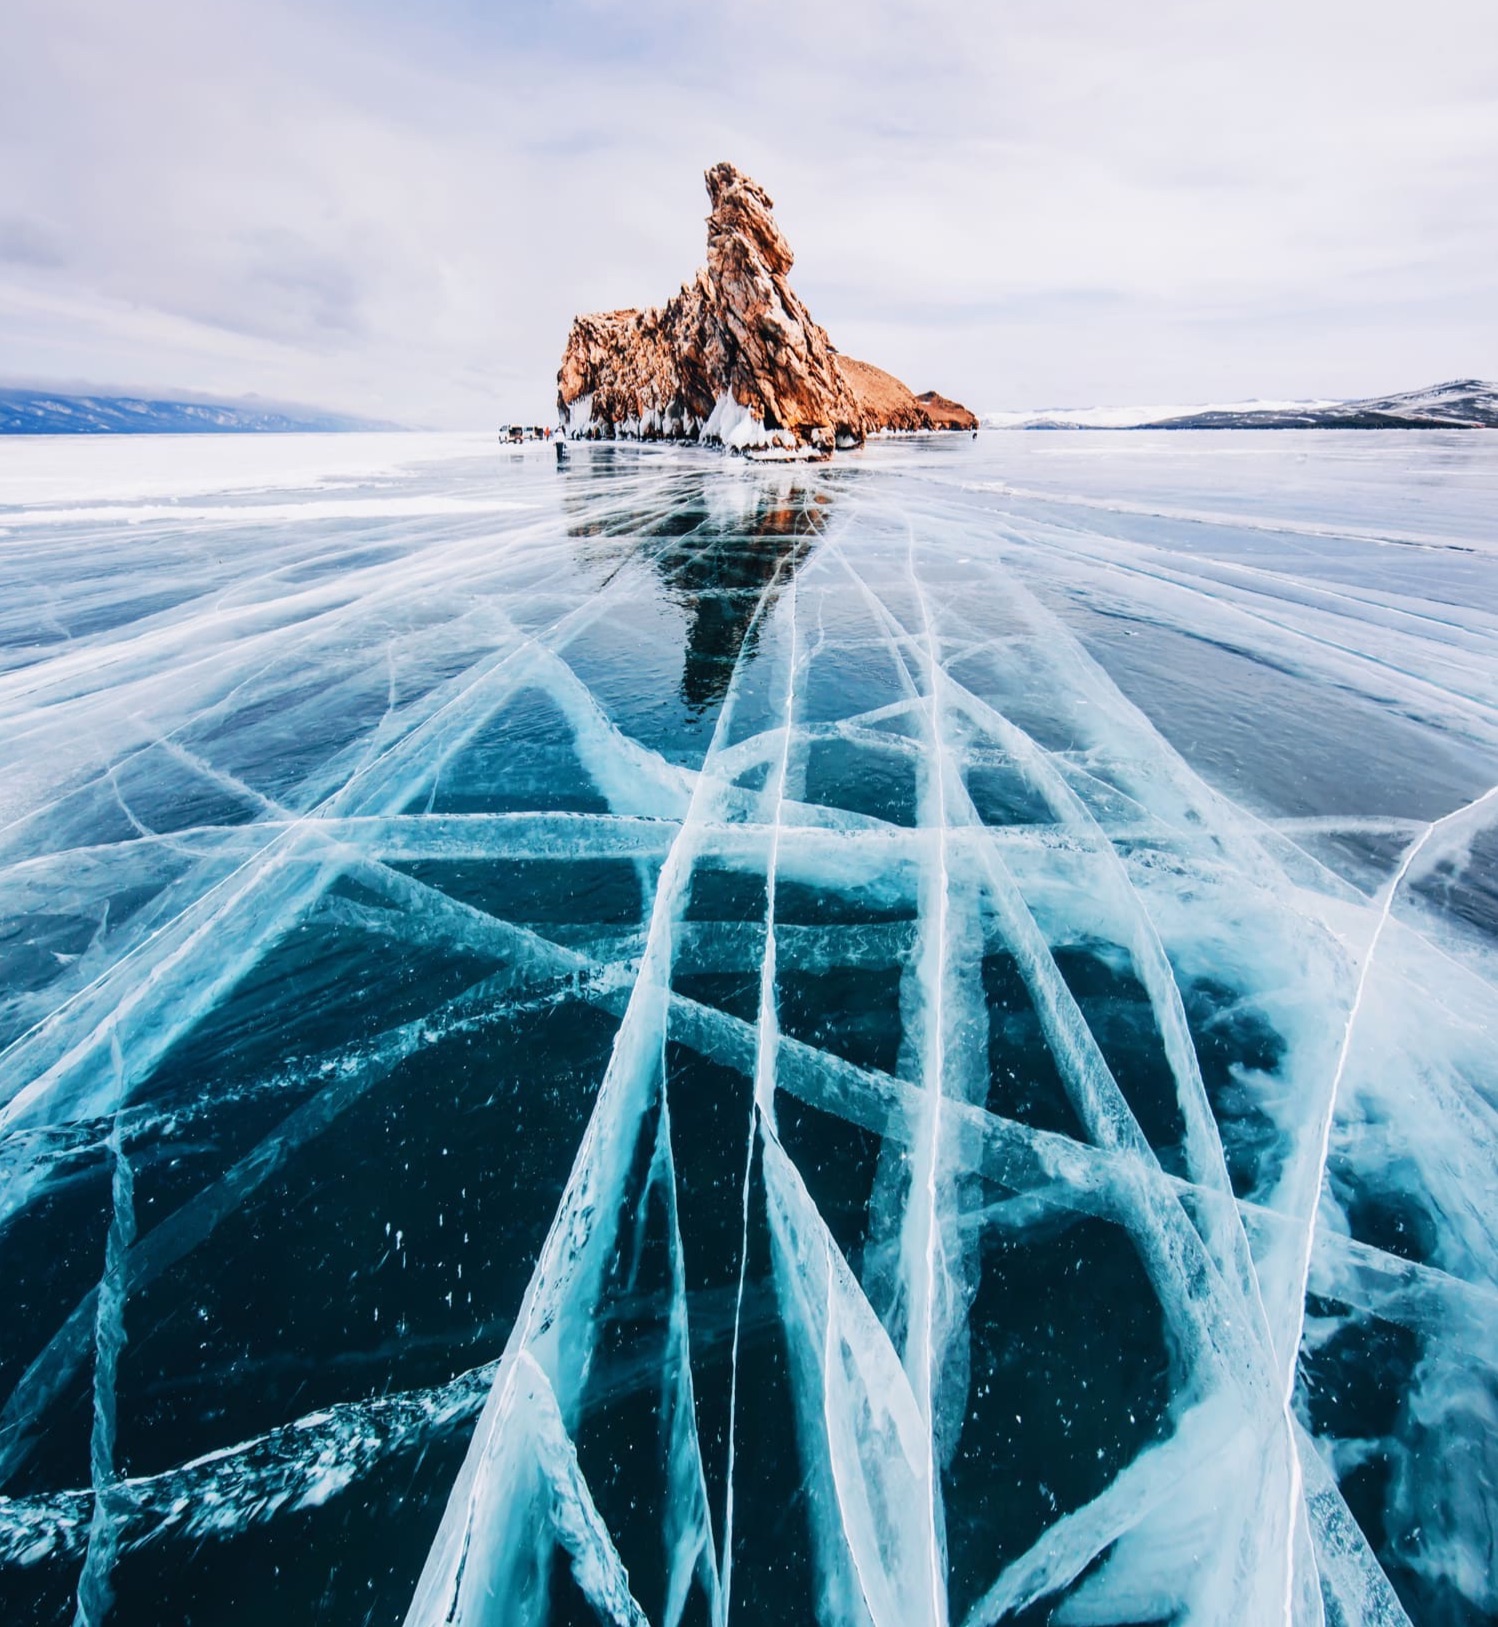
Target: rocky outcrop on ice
<point x="888" y="404"/>
<point x="734" y="357"/>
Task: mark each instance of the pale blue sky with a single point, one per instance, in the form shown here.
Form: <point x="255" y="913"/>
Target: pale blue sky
<point x="396" y="209"/>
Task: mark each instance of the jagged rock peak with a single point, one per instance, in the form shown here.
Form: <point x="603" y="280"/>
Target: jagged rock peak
<point x="734" y="357"/>
<point x="741" y="217"/>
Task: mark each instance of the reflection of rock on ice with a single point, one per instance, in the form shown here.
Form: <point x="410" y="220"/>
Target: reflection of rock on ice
<point x="728" y="572"/>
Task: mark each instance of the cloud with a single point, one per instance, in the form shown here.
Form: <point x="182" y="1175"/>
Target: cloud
<point x="397" y="210"/>
<point x="29" y="243"/>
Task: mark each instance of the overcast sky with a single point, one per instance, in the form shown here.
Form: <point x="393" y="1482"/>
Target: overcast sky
<point x="395" y="206"/>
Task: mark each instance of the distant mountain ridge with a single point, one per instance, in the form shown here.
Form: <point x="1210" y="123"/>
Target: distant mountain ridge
<point x="57" y="412"/>
<point x="1458" y="404"/>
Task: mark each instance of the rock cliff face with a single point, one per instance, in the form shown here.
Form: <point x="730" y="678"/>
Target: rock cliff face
<point x="735" y="356"/>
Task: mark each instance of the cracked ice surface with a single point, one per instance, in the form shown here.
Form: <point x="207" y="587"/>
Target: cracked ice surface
<point x="631" y="1038"/>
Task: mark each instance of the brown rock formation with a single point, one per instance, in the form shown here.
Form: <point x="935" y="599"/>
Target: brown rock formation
<point x="735" y="356"/>
<point x="945" y="413"/>
<point x="887" y="404"/>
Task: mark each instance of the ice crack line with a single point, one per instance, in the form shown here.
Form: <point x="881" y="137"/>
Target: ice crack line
<point x="95" y="1590"/>
<point x="923" y="1351"/>
<point x="762" y="1107"/>
<point x="1291" y="1347"/>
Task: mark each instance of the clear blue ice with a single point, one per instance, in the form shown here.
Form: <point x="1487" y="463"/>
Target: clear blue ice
<point x="625" y="1036"/>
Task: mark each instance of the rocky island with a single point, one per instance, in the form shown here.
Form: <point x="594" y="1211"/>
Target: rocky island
<point x="734" y="358"/>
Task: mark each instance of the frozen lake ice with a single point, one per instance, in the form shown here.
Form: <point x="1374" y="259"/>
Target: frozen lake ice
<point x="624" y="1036"/>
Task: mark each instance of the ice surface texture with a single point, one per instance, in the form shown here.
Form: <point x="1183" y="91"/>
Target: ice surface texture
<point x="630" y="1038"/>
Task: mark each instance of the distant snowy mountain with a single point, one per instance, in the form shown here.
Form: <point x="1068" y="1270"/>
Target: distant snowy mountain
<point x="1460" y="404"/>
<point x="1131" y="417"/>
<point x="49" y="412"/>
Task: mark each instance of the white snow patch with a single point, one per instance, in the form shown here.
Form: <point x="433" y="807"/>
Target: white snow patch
<point x="80" y="469"/>
<point x="431" y="505"/>
<point x="737" y="428"/>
